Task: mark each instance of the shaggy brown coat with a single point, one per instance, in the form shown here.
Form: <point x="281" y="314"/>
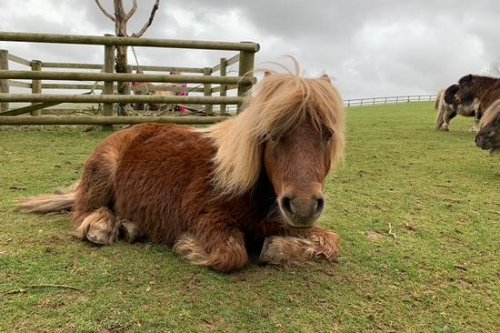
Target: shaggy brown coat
<point x="254" y="181"/>
<point x="488" y="137"/>
<point x="480" y="90"/>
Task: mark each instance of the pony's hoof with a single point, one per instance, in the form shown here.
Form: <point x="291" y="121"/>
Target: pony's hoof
<point x="130" y="231"/>
<point x="444" y="129"/>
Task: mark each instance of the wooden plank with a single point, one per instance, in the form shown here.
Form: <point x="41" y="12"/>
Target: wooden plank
<point x="100" y="87"/>
<point x="108" y="89"/>
<point x="207" y="90"/>
<point x="114" y="120"/>
<point x="46" y="64"/>
<point x="143" y="68"/>
<point x="122" y="41"/>
<point x="223" y="87"/>
<point x="229" y="62"/>
<point x="36" y="85"/>
<point x="19" y="84"/>
<point x="247" y="60"/>
<point x="122" y="77"/>
<point x="169" y="69"/>
<point x="27" y="109"/>
<point x="120" y="99"/>
<point x="19" y="60"/>
<point x="229" y="87"/>
<point x="4" y="84"/>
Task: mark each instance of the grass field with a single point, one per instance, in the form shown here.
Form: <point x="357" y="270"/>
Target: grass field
<point x="438" y="271"/>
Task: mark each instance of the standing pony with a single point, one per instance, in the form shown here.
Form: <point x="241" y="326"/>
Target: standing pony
<point x="479" y="91"/>
<point x="447" y="109"/>
<point x="254" y="181"/>
<point x="488" y="136"/>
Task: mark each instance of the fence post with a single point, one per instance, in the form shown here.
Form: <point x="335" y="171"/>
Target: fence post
<point x="4" y="84"/>
<point x="207" y="91"/>
<point x="408" y="99"/>
<point x="247" y="60"/>
<point x="361" y="102"/>
<point x="108" y="89"/>
<point x="36" y="85"/>
<point x="223" y="87"/>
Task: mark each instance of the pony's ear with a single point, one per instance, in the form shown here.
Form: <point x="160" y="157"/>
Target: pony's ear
<point x="466" y="79"/>
<point x="325" y="77"/>
<point x="267" y="73"/>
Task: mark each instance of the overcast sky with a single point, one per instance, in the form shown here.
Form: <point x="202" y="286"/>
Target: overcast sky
<point x="371" y="48"/>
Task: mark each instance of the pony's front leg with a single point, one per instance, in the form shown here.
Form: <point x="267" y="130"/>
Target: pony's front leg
<point x="447" y="116"/>
<point x="301" y="246"/>
<point x="215" y="242"/>
<point x="477" y="119"/>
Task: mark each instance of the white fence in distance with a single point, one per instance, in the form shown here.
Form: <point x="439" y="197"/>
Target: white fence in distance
<point x="388" y="100"/>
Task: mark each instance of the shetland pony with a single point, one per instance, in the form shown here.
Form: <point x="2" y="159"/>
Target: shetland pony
<point x="480" y="91"/>
<point x="488" y="136"/>
<point x="254" y="181"/>
<point x="448" y="109"/>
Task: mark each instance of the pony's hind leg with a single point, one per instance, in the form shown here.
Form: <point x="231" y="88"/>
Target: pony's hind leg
<point x="99" y="227"/>
<point x="300" y="247"/>
<point x="214" y="243"/>
<point x="92" y="216"/>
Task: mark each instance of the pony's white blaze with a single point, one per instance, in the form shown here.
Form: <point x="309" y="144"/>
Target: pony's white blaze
<point x="279" y="102"/>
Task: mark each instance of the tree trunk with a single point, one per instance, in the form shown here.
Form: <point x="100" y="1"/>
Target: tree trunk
<point x="121" y="62"/>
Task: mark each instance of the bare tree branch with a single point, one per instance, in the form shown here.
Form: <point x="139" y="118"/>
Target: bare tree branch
<point x="148" y="23"/>
<point x="104" y="11"/>
<point x="132" y="11"/>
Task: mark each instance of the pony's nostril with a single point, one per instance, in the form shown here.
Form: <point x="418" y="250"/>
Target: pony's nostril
<point x="286" y="204"/>
<point x="320" y="204"/>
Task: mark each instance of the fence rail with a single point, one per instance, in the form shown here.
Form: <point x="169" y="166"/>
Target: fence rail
<point x="208" y="84"/>
<point x="388" y="100"/>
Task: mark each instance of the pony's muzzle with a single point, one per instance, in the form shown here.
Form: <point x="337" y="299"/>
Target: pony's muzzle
<point x="302" y="212"/>
<point x="482" y="142"/>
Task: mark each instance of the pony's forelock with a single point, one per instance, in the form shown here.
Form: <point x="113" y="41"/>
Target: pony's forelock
<point x="279" y="102"/>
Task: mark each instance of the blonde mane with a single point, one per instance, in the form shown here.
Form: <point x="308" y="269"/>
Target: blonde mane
<point x="279" y="102"/>
<point x="492" y="112"/>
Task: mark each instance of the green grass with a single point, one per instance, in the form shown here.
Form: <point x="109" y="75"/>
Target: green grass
<point x="439" y="274"/>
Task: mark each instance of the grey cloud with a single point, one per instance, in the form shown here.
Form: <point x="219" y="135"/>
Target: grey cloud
<point x="382" y="47"/>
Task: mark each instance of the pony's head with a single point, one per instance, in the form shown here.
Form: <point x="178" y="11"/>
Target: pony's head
<point x="466" y="90"/>
<point x="292" y="129"/>
<point x="449" y="94"/>
<point x="488" y="137"/>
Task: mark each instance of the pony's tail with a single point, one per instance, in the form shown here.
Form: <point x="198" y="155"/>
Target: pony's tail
<point x="440" y="116"/>
<point x="60" y="201"/>
<point x="438" y="99"/>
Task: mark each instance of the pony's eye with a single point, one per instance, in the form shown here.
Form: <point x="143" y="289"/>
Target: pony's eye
<point x="273" y="137"/>
<point x="327" y="136"/>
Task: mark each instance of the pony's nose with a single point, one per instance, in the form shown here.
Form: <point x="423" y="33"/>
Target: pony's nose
<point x="303" y="211"/>
<point x="482" y="142"/>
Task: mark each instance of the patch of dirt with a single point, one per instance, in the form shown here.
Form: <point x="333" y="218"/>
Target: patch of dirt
<point x="374" y="235"/>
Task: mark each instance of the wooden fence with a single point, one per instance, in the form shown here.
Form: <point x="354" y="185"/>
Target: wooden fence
<point x="40" y="71"/>
<point x="388" y="100"/>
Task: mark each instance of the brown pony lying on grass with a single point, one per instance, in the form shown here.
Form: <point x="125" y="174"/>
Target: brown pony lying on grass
<point x="488" y="136"/>
<point x="447" y="109"/>
<point x="251" y="182"/>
